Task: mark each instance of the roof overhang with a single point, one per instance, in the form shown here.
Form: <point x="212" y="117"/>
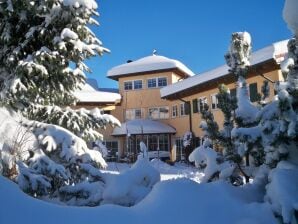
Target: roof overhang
<point x="258" y="69"/>
<point x="174" y="70"/>
<point x="262" y="60"/>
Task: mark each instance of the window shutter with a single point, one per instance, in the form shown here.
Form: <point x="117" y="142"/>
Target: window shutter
<point x="253" y="92"/>
<point x="187" y="108"/>
<point x="233" y="93"/>
<point x="195" y="106"/>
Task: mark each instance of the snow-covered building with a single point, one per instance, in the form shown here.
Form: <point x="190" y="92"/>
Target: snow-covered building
<point x="142" y="112"/>
<point x="162" y="98"/>
<point x="90" y="96"/>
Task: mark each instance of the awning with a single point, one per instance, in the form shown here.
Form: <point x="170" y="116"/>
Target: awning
<point x="143" y="126"/>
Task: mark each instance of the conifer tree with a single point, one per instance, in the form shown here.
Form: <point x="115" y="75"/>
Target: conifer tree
<point x="43" y="45"/>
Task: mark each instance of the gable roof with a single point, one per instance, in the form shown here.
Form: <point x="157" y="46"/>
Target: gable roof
<point x="148" y="64"/>
<point x="275" y="51"/>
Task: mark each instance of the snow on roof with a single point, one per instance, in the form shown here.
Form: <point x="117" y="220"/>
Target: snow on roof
<point x="275" y="51"/>
<point x="90" y="94"/>
<point x="150" y="63"/>
<point x="93" y="83"/>
<point x="143" y="126"/>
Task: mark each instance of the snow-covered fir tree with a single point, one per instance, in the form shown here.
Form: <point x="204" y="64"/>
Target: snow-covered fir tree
<point x="238" y="59"/>
<point x="215" y="165"/>
<point x="43" y="45"/>
<point x="237" y="111"/>
<point x="277" y="130"/>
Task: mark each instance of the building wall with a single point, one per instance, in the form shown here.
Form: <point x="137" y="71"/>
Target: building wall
<point x="183" y="122"/>
<point x="146" y="98"/>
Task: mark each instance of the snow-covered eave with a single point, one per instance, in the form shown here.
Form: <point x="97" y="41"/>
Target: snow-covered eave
<point x="97" y="97"/>
<point x="108" y="103"/>
<point x="174" y="69"/>
<point x="143" y="126"/>
<point x="144" y="133"/>
<point x="273" y="53"/>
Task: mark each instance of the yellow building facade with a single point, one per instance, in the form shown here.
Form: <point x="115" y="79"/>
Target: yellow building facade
<point x="161" y="100"/>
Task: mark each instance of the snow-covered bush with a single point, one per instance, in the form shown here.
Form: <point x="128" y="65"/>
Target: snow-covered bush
<point x="144" y="151"/>
<point x="282" y="191"/>
<point x="48" y="161"/>
<point x="15" y="143"/>
<point x="187" y="139"/>
<point x="212" y="163"/>
<point x="131" y="186"/>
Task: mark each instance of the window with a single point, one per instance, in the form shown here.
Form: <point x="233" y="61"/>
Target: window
<point x="137" y="84"/>
<point x="162" y="81"/>
<point x="201" y="102"/>
<point x="138" y="113"/>
<point x="112" y="147"/>
<point x="195" y="108"/>
<point x="184" y="109"/>
<point x="180" y="150"/>
<point x="253" y="92"/>
<point x="132" y="114"/>
<point x="163" y="142"/>
<point x="153" y="143"/>
<point x="157" y="82"/>
<point x="174" y="111"/>
<point x="131" y="85"/>
<point x="214" y="101"/>
<point x="159" y="113"/>
<point x="151" y="83"/>
<point x="233" y="93"/>
<point x="153" y="113"/>
<point x="128" y="85"/>
<point x="164" y="112"/>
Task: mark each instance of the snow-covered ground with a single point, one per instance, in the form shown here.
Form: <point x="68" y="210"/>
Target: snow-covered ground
<point x="178" y="170"/>
<point x="172" y="201"/>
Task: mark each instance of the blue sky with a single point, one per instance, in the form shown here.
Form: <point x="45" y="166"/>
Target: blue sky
<point x="195" y="32"/>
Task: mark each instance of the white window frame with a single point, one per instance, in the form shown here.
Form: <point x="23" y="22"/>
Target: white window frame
<point x="156" y="82"/>
<point x="153" y="87"/>
<point x="182" y="105"/>
<point x="133" y="113"/>
<point x="175" y="111"/>
<point x="202" y="99"/>
<point x="160" y="86"/>
<point x="159" y="117"/>
<point x="216" y="101"/>
<point x="134" y="86"/>
<point x="160" y="112"/>
<point x="128" y="82"/>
